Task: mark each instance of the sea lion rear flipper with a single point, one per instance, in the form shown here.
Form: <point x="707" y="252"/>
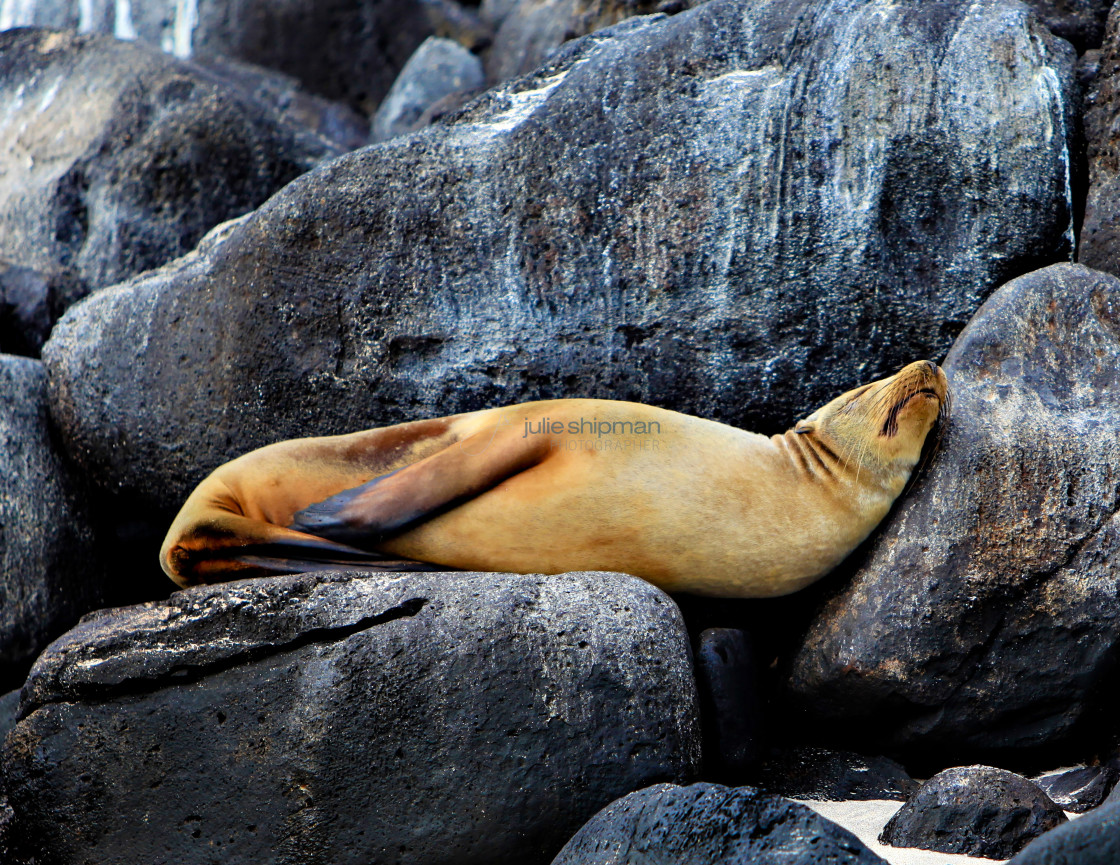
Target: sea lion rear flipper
<point x="368" y="514"/>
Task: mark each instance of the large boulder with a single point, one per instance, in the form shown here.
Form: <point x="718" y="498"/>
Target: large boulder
<point x="341" y="718"/>
<point x="708" y="824"/>
<point x="49" y="572"/>
<point x="343" y="49"/>
<point x="729" y="212"/>
<point x="986" y="616"/>
<point x="117" y="158"/>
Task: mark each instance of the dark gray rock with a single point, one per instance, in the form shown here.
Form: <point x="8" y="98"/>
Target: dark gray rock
<point x="1093" y="839"/>
<point x="706" y="824"/>
<point x="974" y="811"/>
<point x="1099" y="244"/>
<point x="348" y="50"/>
<point x="1080" y="789"/>
<point x="1082" y="22"/>
<point x="49" y="571"/>
<point x="985" y="617"/>
<point x="438" y="69"/>
<point x="730" y="702"/>
<point x="826" y="775"/>
<point x="117" y="158"/>
<point x="9" y="703"/>
<point x="342" y="718"/>
<point x="686" y="211"/>
<point x="30" y="304"/>
<point x="343" y="127"/>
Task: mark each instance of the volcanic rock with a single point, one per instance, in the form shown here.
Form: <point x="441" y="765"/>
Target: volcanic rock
<point x="117" y="158"/>
<point x="49" y="571"/>
<point x="465" y="717"/>
<point x="974" y="811"/>
<point x="826" y="775"/>
<point x="1080" y="789"/>
<point x="705" y="824"/>
<point x="985" y="618"/>
<point x="729" y="212"/>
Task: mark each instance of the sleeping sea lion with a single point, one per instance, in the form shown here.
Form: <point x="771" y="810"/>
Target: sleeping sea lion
<point x="572" y="484"/>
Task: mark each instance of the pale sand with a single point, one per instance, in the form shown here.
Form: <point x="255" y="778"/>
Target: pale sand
<point x="866" y="820"/>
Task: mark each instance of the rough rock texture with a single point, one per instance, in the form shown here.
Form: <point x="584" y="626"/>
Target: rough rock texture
<point x="438" y="69"/>
<point x="343" y="127"/>
<point x="821" y="774"/>
<point x="1099" y="243"/>
<point x="730" y="702"/>
<point x="986" y="616"/>
<point x="1080" y="789"/>
<point x="975" y="811"/>
<point x="49" y="572"/>
<point x="349" y="50"/>
<point x="116" y="158"/>
<point x="528" y="32"/>
<point x="1093" y="839"/>
<point x="463" y="717"/>
<point x="727" y="212"/>
<point x="1082" y="22"/>
<point x="706" y="824"/>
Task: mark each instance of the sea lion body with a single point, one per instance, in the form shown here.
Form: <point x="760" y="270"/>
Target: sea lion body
<point x="689" y="504"/>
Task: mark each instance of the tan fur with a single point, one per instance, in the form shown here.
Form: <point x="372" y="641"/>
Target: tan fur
<point x="689" y="504"/>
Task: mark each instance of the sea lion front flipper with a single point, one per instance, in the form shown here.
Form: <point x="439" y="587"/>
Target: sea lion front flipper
<point x="368" y="514"/>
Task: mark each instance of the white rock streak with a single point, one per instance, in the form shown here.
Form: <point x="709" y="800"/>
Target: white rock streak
<point x="16" y="13"/>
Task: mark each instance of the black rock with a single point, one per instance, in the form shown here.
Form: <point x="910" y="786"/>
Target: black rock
<point x="975" y="811"/>
<point x="50" y="573"/>
<point x="1093" y="839"/>
<point x="1081" y="789"/>
<point x="1099" y="244"/>
<point x="117" y="158"/>
<point x="341" y="718"/>
<point x="1082" y="22"/>
<point x="706" y="824"/>
<point x="986" y="616"/>
<point x="826" y="775"/>
<point x="730" y="702"/>
<point x="728" y="212"/>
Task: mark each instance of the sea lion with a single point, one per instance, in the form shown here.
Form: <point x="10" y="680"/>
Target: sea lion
<point x="572" y="484"/>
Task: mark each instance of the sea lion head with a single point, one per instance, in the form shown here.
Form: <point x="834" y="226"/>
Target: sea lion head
<point x="883" y="426"/>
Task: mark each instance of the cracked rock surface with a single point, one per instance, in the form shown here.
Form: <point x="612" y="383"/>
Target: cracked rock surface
<point x="986" y="615"/>
<point x="727" y="212"/>
<point x="464" y="717"/>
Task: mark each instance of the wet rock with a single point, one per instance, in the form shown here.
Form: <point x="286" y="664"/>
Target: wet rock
<point x="49" y="570"/>
<point x="1093" y="839"/>
<point x="730" y="702"/>
<point x="1080" y="789"/>
<point x="985" y="616"/>
<point x="1099" y="244"/>
<point x="826" y="775"/>
<point x="345" y="718"/>
<point x="341" y="49"/>
<point x="974" y="811"/>
<point x="117" y="158"/>
<point x="684" y="211"/>
<point x="438" y="69"/>
<point x="705" y="823"/>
